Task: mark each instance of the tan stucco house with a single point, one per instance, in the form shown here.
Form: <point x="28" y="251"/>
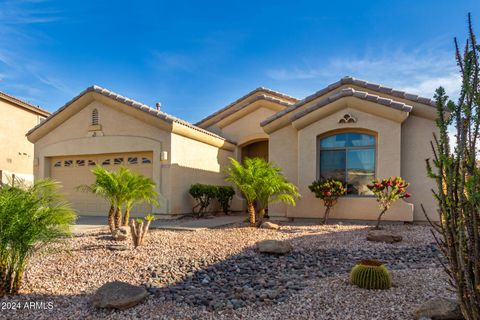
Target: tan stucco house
<point x="16" y="152"/>
<point x="352" y="129"/>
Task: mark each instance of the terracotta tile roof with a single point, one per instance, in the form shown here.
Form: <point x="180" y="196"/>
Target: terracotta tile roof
<point x="24" y="103"/>
<point x="253" y="92"/>
<point x="129" y="102"/>
<point x="352" y="81"/>
<point x="350" y="92"/>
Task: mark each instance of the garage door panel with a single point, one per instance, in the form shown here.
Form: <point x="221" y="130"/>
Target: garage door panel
<point x="74" y="171"/>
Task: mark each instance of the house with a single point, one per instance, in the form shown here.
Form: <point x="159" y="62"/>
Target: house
<point x="353" y="130"/>
<point x="16" y="156"/>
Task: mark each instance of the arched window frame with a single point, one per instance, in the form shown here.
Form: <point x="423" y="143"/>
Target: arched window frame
<point x="353" y="130"/>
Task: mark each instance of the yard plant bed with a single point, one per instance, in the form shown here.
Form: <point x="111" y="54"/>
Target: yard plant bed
<point x="219" y="274"/>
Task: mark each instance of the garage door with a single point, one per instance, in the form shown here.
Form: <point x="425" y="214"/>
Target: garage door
<point x="74" y="171"/>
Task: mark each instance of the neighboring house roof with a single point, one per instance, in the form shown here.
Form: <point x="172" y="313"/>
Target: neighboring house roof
<point x="352" y="81"/>
<point x="129" y="102"/>
<point x="24" y="104"/>
<point x="350" y="92"/>
<point x="264" y="93"/>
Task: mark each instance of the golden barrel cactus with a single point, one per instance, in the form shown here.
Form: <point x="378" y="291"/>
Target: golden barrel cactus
<point x="370" y="274"/>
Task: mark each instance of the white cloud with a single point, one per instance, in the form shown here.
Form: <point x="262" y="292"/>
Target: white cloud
<point x="418" y="71"/>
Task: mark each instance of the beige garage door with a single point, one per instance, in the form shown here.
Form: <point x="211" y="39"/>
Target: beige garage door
<point x="74" y="171"/>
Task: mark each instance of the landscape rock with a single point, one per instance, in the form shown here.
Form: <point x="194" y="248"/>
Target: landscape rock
<point x="383" y="236"/>
<point x="117" y="247"/>
<point x="269" y="225"/>
<point x="118" y="295"/>
<point x="121" y="234"/>
<point x="274" y="246"/>
<point x="439" y="308"/>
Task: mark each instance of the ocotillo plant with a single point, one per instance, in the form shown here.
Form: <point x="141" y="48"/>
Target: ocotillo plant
<point x="455" y="169"/>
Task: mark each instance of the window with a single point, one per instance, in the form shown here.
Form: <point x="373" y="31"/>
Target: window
<point x="68" y="163"/>
<point x="118" y="161"/>
<point x="94" y="117"/>
<point x="106" y="162"/>
<point x="57" y="164"/>
<point x="80" y="163"/>
<point x="349" y="157"/>
<point x="91" y="163"/>
<point x="132" y="160"/>
<point x="146" y="160"/>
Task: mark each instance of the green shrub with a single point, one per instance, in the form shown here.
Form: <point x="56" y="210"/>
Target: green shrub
<point x="329" y="190"/>
<point x="224" y="196"/>
<point x="30" y="218"/>
<point x="370" y="274"/>
<point x="205" y="193"/>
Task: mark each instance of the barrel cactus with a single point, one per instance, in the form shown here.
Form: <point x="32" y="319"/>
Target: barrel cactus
<point x="371" y="274"/>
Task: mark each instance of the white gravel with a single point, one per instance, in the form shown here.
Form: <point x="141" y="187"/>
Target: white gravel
<point x="68" y="275"/>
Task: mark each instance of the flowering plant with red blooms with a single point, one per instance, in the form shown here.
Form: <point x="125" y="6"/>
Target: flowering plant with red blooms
<point x="387" y="191"/>
<point x="329" y="190"/>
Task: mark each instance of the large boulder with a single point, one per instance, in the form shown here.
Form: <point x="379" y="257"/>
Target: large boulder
<point x="439" y="309"/>
<point x="383" y="236"/>
<point x="269" y="225"/>
<point x="118" y="295"/>
<point x="121" y="234"/>
<point x="274" y="246"/>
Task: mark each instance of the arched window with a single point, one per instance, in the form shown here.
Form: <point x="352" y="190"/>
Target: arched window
<point x="349" y="157"/>
<point x="94" y="117"/>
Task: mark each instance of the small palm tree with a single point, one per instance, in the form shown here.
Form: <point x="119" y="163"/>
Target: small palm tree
<point x="30" y="218"/>
<point x="105" y="186"/>
<point x="260" y="181"/>
<point x="140" y="189"/>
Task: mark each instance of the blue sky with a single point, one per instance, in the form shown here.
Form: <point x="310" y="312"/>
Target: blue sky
<point x="197" y="56"/>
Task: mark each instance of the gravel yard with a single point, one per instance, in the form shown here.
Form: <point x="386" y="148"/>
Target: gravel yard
<point x="217" y="274"/>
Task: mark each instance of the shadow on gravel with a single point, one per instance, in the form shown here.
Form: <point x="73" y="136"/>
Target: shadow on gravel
<point x="251" y="277"/>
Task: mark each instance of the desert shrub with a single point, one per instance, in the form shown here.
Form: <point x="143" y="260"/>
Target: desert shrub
<point x="30" y="218"/>
<point x="329" y="190"/>
<point x="139" y="229"/>
<point x="224" y="195"/>
<point x="370" y="274"/>
<point x="203" y="195"/>
<point x="387" y="191"/>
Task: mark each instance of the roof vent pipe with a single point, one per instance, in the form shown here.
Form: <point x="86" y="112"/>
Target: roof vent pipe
<point x="158" y="105"/>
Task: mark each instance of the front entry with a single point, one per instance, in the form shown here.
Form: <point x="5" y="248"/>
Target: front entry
<point x="257" y="149"/>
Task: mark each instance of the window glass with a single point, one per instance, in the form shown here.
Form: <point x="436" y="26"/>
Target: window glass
<point x="146" y="160"/>
<point x="58" y="164"/>
<point x="80" y="163"/>
<point x="67" y="163"/>
<point x="106" y="162"/>
<point x="118" y="161"/>
<point x="360" y="170"/>
<point x="92" y="163"/>
<point x="349" y="157"/>
<point x="332" y="164"/>
<point x="132" y="160"/>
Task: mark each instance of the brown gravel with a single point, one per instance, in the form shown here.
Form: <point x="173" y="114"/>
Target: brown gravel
<point x="68" y="275"/>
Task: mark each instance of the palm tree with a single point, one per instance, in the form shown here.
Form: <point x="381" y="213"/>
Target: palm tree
<point x="139" y="189"/>
<point x="106" y="186"/>
<point x="274" y="187"/>
<point x="30" y="218"/>
<point x="260" y="181"/>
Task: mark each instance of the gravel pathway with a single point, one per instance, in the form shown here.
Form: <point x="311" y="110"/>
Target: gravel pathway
<point x="218" y="274"/>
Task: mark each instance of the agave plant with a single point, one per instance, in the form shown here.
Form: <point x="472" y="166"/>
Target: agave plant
<point x="260" y="181"/>
<point x="30" y="218"/>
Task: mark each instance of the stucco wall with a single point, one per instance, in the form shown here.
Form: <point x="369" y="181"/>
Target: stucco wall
<point x="387" y="164"/>
<point x="193" y="162"/>
<point x="247" y="126"/>
<point x="16" y="154"/>
<point x="416" y="136"/>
